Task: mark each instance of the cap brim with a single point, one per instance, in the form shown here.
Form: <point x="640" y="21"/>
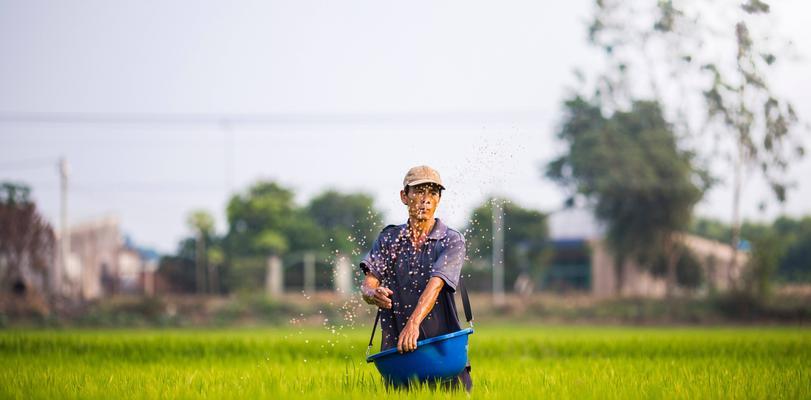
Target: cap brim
<point x="421" y="181"/>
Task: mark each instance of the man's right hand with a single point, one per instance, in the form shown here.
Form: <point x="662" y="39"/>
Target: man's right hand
<point x="379" y="296"/>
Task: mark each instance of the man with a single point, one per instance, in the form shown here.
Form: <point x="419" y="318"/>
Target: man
<point x="413" y="269"/>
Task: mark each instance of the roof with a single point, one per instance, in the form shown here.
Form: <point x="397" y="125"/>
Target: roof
<point x="574" y="224"/>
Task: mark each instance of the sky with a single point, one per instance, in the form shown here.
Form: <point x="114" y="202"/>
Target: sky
<point x="161" y="108"/>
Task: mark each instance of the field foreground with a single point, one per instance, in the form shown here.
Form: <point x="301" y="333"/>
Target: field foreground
<point x="508" y="362"/>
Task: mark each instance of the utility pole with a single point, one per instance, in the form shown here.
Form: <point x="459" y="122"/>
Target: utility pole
<point x="64" y="242"/>
<point x="498" y="252"/>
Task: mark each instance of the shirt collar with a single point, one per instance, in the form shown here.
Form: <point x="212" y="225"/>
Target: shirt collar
<point x="439" y="231"/>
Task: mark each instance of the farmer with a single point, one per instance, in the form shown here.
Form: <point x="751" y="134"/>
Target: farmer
<point x="413" y="269"/>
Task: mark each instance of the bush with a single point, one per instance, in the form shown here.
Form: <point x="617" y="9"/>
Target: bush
<point x="767" y="250"/>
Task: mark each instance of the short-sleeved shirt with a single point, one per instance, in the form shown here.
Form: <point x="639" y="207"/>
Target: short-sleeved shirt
<point x="406" y="271"/>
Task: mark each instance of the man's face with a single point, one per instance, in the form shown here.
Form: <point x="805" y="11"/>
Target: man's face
<point x="422" y="201"/>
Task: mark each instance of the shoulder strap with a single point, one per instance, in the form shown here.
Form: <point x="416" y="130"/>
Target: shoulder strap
<point x="374" y="328"/>
<point x="463" y="290"/>
<point x="466" y="303"/>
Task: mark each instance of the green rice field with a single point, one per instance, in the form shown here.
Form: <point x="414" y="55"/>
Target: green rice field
<point x="508" y="362"/>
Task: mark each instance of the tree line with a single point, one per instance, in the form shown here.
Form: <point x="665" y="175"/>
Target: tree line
<point x="265" y="220"/>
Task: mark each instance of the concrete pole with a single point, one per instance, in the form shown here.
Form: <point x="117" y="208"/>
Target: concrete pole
<point x="64" y="240"/>
<point x="343" y="276"/>
<point x="309" y="273"/>
<point x="274" y="277"/>
<point x="498" y="252"/>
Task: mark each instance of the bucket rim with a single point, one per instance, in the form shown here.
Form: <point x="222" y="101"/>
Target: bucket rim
<point x="393" y="350"/>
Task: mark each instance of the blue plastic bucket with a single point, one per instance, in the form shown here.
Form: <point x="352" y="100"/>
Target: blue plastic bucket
<point x="436" y="358"/>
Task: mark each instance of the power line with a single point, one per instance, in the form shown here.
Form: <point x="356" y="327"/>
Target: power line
<point x="31" y="163"/>
<point x="147" y="187"/>
<point x="129" y="187"/>
<point x="96" y="118"/>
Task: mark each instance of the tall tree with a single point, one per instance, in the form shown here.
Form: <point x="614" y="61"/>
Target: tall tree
<point x="27" y="241"/>
<point x="202" y="224"/>
<point x="629" y="167"/>
<point x="708" y="64"/>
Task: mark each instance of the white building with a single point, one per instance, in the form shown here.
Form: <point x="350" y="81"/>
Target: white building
<point x="582" y="260"/>
<point x="101" y="262"/>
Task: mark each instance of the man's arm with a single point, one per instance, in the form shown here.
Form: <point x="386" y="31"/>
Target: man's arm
<point x="409" y="335"/>
<point x="375" y="294"/>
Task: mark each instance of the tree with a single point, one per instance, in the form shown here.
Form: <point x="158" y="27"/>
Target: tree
<point x="710" y="75"/>
<point x="795" y="265"/>
<point x="525" y="239"/>
<point x="629" y="168"/>
<point x="350" y="221"/>
<point x="767" y="250"/>
<point x="27" y="241"/>
<point x="710" y="228"/>
<point x="689" y="271"/>
<point x="265" y="221"/>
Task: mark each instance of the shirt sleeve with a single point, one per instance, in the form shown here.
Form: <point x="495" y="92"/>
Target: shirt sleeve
<point x="448" y="265"/>
<point x="374" y="261"/>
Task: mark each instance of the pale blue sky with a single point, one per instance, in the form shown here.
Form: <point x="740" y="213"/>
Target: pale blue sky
<point x="349" y="95"/>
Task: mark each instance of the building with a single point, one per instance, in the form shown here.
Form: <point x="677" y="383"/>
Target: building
<point x="582" y="261"/>
<point x="103" y="262"/>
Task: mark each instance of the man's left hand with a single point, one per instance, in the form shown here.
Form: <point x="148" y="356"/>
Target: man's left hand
<point x="408" y="338"/>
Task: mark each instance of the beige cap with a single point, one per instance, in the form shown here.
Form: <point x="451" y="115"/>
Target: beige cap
<point x="422" y="174"/>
